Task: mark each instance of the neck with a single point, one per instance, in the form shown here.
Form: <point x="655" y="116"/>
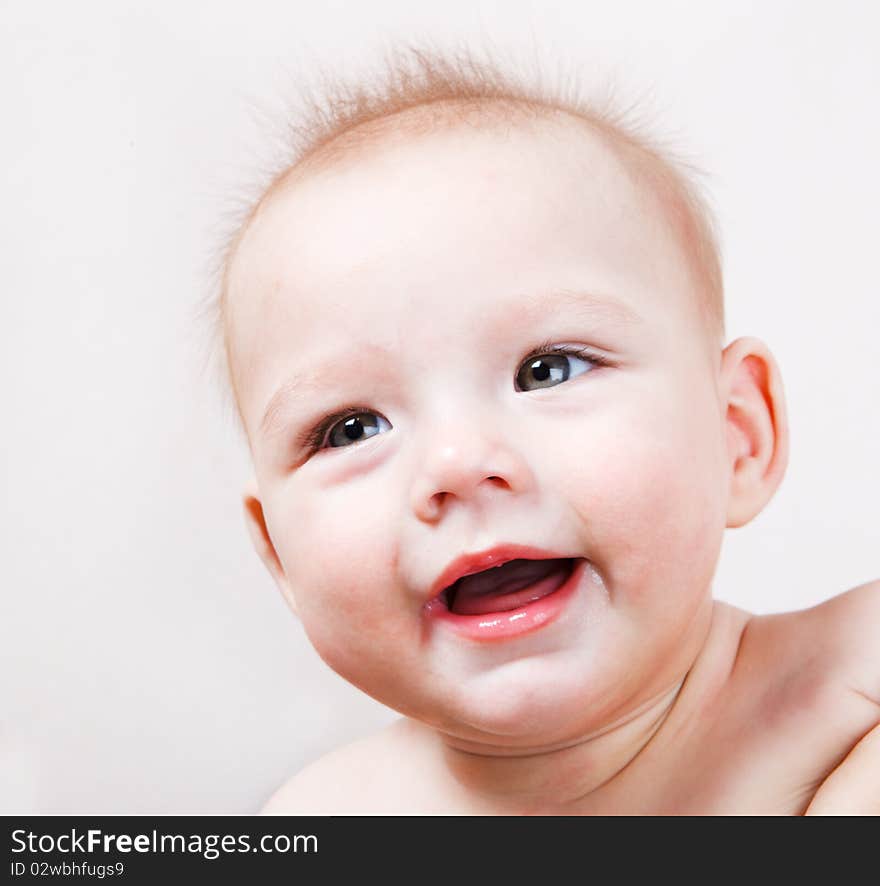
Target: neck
<point x="561" y="779"/>
<point x="554" y="779"/>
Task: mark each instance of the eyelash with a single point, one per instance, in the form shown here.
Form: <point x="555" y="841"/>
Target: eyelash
<point x="313" y="439"/>
<point x="548" y="347"/>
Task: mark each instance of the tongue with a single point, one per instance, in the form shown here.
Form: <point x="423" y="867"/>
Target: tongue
<point x="509" y="586"/>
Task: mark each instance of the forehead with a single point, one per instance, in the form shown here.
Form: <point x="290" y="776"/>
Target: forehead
<point x="407" y="239"/>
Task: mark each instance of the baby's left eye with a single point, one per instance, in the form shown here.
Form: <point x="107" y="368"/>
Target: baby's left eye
<point x="553" y="367"/>
<point x="355" y="428"/>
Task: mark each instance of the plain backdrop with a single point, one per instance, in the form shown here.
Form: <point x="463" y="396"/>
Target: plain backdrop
<point x="147" y="662"/>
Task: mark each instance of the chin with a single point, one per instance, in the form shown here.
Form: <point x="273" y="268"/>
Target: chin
<point x="521" y="715"/>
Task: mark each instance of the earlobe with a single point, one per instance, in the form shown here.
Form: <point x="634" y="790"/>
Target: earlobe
<point x="255" y="521"/>
<point x="757" y="427"/>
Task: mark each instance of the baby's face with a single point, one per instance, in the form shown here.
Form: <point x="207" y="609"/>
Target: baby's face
<point x="407" y="289"/>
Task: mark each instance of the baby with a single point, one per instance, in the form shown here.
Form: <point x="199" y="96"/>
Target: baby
<point x="475" y="337"/>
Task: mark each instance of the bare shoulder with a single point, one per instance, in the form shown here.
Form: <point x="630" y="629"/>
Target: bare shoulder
<point x="790" y="696"/>
<point x="849" y="626"/>
<point x="836" y="643"/>
<point x="357" y="778"/>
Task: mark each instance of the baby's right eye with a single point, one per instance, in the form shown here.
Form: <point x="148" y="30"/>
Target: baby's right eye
<point x="345" y="428"/>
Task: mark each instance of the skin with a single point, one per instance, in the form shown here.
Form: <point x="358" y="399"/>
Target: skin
<point x="405" y="275"/>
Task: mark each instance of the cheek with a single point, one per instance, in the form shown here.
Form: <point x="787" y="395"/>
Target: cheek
<point x="649" y="492"/>
<point x="337" y="551"/>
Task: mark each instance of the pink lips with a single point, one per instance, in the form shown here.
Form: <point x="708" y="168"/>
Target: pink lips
<point x="513" y="622"/>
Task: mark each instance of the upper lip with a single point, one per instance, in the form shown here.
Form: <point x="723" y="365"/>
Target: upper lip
<point x="468" y="564"/>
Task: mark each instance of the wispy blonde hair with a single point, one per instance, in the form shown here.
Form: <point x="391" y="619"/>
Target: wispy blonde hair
<point x="339" y="116"/>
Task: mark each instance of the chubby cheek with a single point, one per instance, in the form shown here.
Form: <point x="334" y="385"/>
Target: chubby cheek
<point x="339" y="558"/>
<point x="650" y="494"/>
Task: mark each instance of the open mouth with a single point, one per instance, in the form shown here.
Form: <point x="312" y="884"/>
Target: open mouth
<point x="508" y="586"/>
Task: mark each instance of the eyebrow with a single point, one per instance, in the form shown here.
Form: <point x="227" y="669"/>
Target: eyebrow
<point x="524" y="310"/>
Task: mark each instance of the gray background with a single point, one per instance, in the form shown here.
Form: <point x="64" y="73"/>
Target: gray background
<point x="147" y="663"/>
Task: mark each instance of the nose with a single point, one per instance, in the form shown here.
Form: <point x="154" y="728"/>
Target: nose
<point x="465" y="466"/>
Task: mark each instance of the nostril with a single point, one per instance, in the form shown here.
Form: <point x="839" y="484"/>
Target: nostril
<point x="432" y="507"/>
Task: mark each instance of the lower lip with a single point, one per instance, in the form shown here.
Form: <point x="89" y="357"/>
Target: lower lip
<point x="491" y="626"/>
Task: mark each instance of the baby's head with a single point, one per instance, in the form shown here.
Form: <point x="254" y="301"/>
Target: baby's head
<point x="488" y="323"/>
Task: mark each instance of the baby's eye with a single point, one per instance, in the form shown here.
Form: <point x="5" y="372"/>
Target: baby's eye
<point x="352" y="429"/>
<point x="551" y="365"/>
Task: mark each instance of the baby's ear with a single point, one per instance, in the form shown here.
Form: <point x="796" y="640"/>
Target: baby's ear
<point x="259" y="533"/>
<point x="757" y="427"/>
